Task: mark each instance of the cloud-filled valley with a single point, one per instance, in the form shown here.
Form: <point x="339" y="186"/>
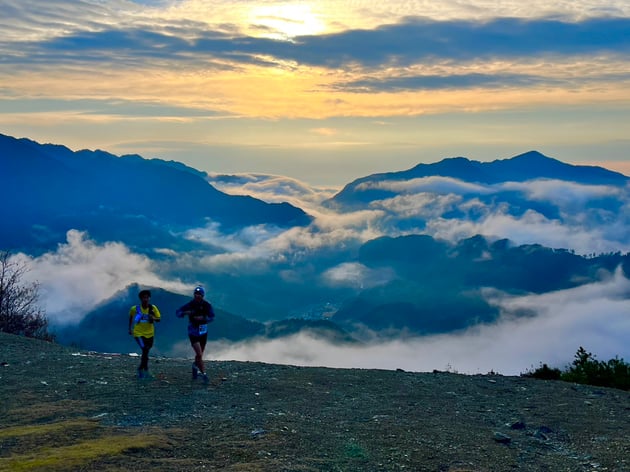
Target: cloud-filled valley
<point x="559" y="214"/>
<point x="593" y="315"/>
<point x="82" y="274"/>
<point x="433" y="272"/>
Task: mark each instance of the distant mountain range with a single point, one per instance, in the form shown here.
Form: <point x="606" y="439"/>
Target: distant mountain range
<point x="437" y="284"/>
<point x="417" y="282"/>
<point x="53" y="189"/>
<point x="524" y="167"/>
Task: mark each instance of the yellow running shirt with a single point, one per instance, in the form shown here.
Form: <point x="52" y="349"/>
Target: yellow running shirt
<point x="143" y="327"/>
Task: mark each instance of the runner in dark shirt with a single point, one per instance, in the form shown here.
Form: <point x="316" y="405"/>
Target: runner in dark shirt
<point x="199" y="313"/>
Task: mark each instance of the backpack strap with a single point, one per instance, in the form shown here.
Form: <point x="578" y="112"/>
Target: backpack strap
<point x="139" y="313"/>
<point x="139" y="309"/>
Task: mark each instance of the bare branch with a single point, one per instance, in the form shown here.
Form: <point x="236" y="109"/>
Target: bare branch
<point x="19" y="310"/>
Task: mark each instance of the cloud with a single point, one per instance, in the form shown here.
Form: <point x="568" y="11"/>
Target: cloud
<point x="274" y="189"/>
<point x="559" y="214"/>
<point x="433" y="184"/>
<point x="443" y="208"/>
<point x="566" y="194"/>
<point x="408" y="42"/>
<point x="331" y="240"/>
<point x="407" y="60"/>
<point x="238" y="241"/>
<point x="533" y="228"/>
<point x="422" y="205"/>
<point x="110" y="108"/>
<point x="422" y="39"/>
<point x="455" y="81"/>
<point x="324" y="131"/>
<point x="594" y="316"/>
<point x="561" y="192"/>
<point x="255" y="249"/>
<point x="81" y="274"/>
<point x="356" y="275"/>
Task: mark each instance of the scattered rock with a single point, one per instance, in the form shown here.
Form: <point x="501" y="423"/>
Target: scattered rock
<point x="519" y="425"/>
<point x="542" y="432"/>
<point x="255" y="434"/>
<point x="502" y="438"/>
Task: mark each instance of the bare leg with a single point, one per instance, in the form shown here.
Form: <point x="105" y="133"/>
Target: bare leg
<point x="199" y="357"/>
<point x="145" y="344"/>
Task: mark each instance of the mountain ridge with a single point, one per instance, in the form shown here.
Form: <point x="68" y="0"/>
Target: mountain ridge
<point x="58" y="189"/>
<point x="523" y="167"/>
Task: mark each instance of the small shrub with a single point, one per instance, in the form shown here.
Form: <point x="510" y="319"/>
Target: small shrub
<point x="586" y="369"/>
<point x="544" y="372"/>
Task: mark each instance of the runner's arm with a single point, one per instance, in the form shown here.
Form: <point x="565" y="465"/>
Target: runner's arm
<point x="182" y="311"/>
<point x="131" y="314"/>
<point x="157" y="316"/>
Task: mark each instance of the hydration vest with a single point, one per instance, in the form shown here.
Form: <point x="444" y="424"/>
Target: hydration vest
<point x="143" y="317"/>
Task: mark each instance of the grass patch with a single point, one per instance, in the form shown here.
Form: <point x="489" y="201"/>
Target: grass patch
<point x="47" y="428"/>
<point x="38" y="410"/>
<point x="355" y="451"/>
<point x="68" y="457"/>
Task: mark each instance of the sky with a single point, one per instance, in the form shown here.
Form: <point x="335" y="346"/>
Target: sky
<point x="320" y="91"/>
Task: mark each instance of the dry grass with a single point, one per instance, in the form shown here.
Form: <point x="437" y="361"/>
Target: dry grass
<point x="63" y="445"/>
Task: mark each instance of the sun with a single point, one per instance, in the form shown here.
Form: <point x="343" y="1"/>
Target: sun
<point x="285" y="21"/>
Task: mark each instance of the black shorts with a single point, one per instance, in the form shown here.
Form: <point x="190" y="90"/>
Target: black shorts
<point x="201" y="339"/>
<point x="144" y="343"/>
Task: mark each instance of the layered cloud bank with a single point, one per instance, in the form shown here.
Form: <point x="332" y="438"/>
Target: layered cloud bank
<point x="588" y="219"/>
<point x="81" y="274"/>
<point x="593" y="316"/>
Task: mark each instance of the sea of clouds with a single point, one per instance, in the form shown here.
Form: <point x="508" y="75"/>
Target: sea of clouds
<point x="81" y="273"/>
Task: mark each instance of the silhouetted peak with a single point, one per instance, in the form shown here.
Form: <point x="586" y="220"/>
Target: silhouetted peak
<point x="531" y="155"/>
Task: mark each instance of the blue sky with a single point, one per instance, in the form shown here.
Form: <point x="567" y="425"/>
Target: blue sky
<point x="322" y="91"/>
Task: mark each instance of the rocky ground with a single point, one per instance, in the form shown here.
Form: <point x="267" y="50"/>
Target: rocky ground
<point x="63" y="410"/>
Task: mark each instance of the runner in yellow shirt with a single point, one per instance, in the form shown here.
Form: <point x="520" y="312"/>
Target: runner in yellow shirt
<point x="141" y="326"/>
